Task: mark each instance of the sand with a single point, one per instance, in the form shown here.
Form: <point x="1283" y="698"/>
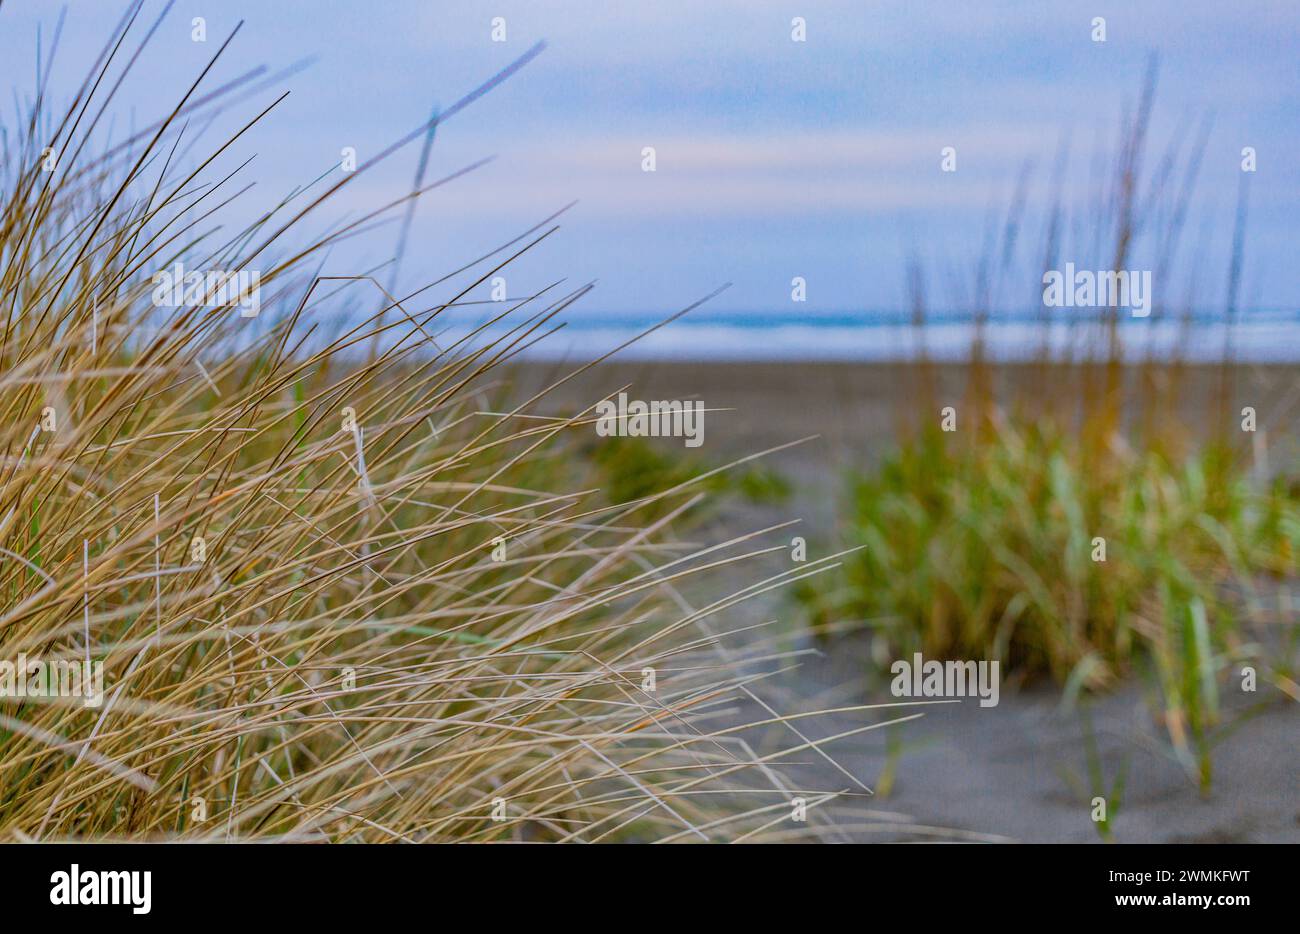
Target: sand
<point x="1017" y="771"/>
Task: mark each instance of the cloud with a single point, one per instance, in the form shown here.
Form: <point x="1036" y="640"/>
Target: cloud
<point x="740" y="176"/>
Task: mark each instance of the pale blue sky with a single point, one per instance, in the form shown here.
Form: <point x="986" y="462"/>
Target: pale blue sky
<point x="775" y="159"/>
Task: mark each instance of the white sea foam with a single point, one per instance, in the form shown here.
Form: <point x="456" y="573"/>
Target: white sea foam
<point x="1269" y="339"/>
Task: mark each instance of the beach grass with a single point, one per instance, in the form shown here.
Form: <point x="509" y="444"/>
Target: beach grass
<point x="338" y="585"/>
<point x="1082" y="528"/>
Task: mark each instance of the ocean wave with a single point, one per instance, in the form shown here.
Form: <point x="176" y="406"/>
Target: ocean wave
<point x="1265" y="338"/>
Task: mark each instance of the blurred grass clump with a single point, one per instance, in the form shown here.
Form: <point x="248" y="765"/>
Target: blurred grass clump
<point x="1099" y="508"/>
<point x="1023" y="546"/>
<point x="633" y="468"/>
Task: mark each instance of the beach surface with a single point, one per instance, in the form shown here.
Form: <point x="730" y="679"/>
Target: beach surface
<point x="1020" y="770"/>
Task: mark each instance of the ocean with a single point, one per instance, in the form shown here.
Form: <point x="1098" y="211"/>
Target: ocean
<point x="1260" y="336"/>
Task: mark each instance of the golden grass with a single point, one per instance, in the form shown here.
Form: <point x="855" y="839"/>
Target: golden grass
<point x="407" y="620"/>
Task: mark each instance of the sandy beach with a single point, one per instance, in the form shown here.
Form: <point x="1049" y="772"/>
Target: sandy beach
<point x="1018" y="771"/>
<point x="850" y="412"/>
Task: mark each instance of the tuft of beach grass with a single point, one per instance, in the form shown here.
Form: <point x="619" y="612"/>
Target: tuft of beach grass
<point x="342" y="585"/>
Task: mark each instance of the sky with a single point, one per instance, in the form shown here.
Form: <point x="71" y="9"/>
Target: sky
<point x="774" y="158"/>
